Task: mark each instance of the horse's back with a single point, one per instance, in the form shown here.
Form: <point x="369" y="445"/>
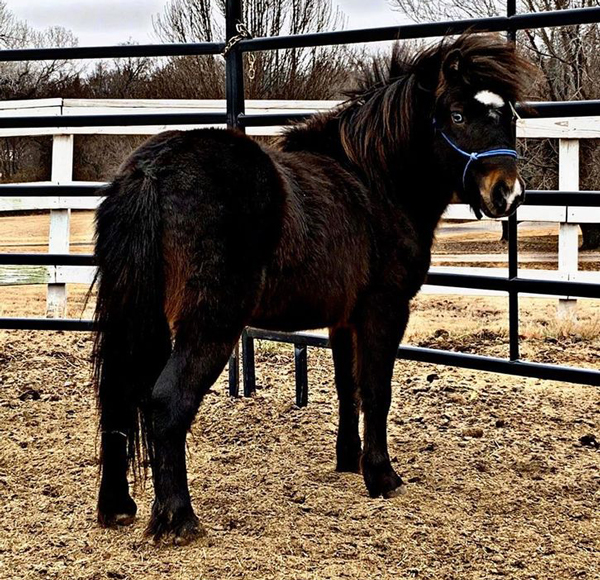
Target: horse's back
<point x="220" y="205"/>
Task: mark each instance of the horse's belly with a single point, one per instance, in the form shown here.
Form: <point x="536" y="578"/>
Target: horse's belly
<point x="302" y="307"/>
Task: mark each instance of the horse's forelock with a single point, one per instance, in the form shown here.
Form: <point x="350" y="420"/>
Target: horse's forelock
<point x="489" y="62"/>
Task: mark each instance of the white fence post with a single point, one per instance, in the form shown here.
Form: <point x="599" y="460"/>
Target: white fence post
<point x="568" y="237"/>
<point x="60" y="221"/>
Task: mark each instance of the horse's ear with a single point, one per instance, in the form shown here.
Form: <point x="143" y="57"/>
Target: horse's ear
<point x="428" y="73"/>
<point x="454" y="66"/>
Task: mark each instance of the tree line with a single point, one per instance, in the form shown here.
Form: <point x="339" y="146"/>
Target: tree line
<point x="314" y="73"/>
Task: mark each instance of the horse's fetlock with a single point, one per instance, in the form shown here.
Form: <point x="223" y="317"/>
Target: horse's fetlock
<point x="115" y="509"/>
<point x="348" y="454"/>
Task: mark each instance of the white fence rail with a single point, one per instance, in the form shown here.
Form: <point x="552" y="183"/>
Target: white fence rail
<point x="568" y="130"/>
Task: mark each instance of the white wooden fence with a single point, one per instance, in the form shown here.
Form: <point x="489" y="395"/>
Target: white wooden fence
<point x="568" y="130"/>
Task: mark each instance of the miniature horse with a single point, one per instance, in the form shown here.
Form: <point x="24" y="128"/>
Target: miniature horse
<point x="204" y="232"/>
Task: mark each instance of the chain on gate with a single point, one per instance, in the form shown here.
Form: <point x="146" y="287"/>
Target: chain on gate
<point x="242" y="34"/>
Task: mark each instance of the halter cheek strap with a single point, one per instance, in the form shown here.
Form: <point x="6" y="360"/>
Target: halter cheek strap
<point x="475" y="156"/>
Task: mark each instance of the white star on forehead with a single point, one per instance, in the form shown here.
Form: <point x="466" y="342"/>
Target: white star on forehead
<point x="490" y="99"/>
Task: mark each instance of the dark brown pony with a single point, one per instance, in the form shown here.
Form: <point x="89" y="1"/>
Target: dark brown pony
<point x="204" y="232"/>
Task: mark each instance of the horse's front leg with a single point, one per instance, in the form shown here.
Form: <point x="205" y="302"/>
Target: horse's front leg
<point x="382" y="323"/>
<point x="348" y="446"/>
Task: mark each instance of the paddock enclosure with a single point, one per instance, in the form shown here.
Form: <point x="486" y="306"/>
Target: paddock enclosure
<point x="502" y="469"/>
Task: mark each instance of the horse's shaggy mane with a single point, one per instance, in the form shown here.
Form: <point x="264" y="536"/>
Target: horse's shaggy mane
<point x="393" y="102"/>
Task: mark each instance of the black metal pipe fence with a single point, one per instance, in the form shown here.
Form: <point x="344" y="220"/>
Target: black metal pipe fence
<point x="235" y="117"/>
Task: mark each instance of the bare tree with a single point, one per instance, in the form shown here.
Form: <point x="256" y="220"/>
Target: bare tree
<point x="34" y="79"/>
<point x="568" y="56"/>
<point x="26" y="158"/>
<point x="123" y="78"/>
<point x="313" y="73"/>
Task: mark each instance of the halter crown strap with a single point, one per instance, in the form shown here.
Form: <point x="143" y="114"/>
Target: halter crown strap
<point x="475" y="156"/>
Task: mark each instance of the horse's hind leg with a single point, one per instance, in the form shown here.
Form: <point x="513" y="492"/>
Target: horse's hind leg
<point x="115" y="505"/>
<point x="201" y="352"/>
<point x="348" y="446"/>
<point x="125" y="373"/>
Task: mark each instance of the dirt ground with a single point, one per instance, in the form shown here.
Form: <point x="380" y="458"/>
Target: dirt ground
<point x="502" y="474"/>
<point x="498" y="483"/>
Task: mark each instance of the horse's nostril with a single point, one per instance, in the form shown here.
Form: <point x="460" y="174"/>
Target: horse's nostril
<point x="500" y="195"/>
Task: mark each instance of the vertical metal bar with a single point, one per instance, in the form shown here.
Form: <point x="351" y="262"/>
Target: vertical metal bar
<point x="248" y="367"/>
<point x="300" y="361"/>
<point x="234" y="66"/>
<point x="511" y="10"/>
<point x="513" y="295"/>
<point x="234" y="372"/>
<point x="513" y="242"/>
<point x="234" y="91"/>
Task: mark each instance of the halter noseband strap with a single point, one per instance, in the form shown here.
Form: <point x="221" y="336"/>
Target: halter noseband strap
<point x="475" y="156"/>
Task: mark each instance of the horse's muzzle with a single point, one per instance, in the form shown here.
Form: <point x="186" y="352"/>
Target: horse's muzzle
<point x="502" y="197"/>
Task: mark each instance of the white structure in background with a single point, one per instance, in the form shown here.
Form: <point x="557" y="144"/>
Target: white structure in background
<point x="568" y="130"/>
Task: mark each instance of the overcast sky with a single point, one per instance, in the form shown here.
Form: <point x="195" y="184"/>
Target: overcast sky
<point x="104" y="22"/>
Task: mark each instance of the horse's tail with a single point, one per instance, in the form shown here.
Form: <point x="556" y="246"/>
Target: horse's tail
<point x="133" y="340"/>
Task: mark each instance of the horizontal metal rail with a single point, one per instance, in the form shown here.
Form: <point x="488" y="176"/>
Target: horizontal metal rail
<point x="133" y="120"/>
<point x="558" y="198"/>
<point x="520" y="285"/>
<point x="553" y="109"/>
<point x="41" y="259"/>
<point x="124" y="51"/>
<point x="429" y="29"/>
<point x="461" y="360"/>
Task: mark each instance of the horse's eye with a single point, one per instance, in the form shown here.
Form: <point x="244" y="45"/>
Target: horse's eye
<point x="457" y="118"/>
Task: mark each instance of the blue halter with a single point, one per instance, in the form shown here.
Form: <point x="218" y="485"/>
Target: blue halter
<point x="475" y="156"/>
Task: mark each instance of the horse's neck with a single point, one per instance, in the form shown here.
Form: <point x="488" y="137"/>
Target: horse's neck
<point x="321" y="137"/>
<point x="416" y="189"/>
<point x="424" y="197"/>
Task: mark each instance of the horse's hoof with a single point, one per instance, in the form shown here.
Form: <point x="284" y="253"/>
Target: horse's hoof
<point x="381" y="480"/>
<point x="401" y="490"/>
<point x="188" y="533"/>
<point x="182" y="524"/>
<point x="113" y="513"/>
<point x="123" y="519"/>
